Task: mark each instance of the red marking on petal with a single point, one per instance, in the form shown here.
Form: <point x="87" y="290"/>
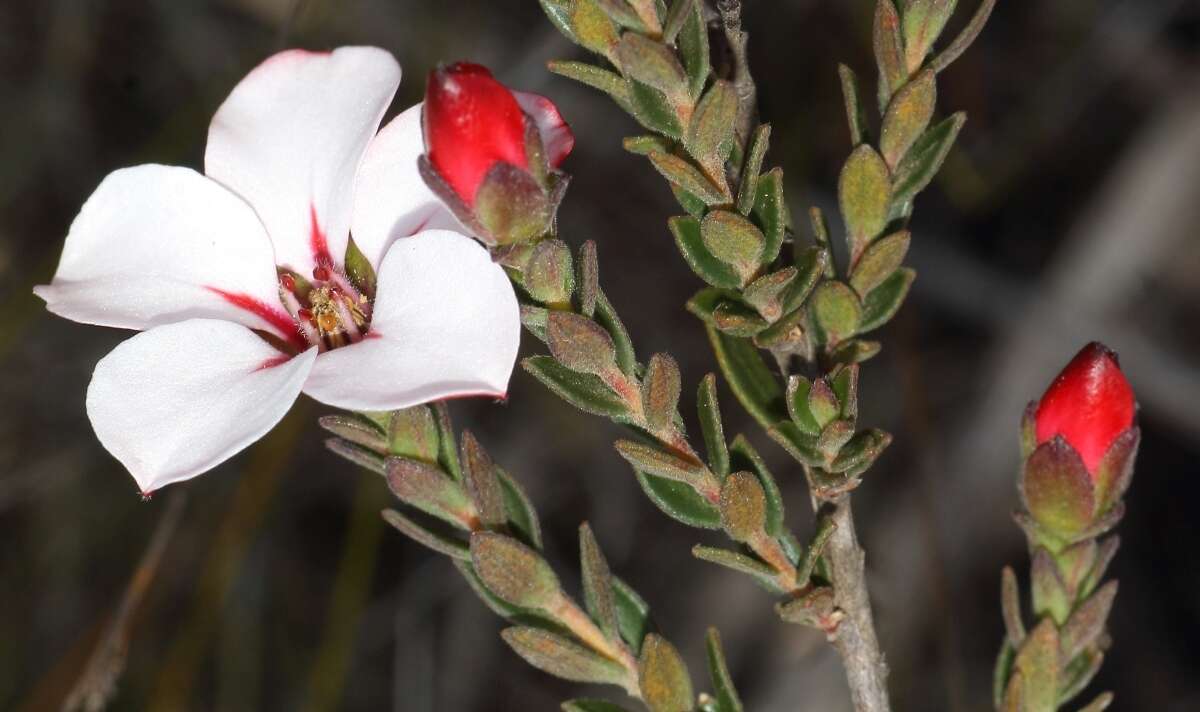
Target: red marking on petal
<point x="321" y="274"/>
<point x="316" y="238"/>
<point x="273" y="362"/>
<point x="274" y="316"/>
<point x="289" y="282"/>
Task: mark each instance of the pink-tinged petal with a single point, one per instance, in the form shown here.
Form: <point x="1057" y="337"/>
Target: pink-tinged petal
<point x="176" y="401"/>
<point x="391" y="199"/>
<point x="556" y="134"/>
<point x="289" y="139"/>
<point x="445" y="325"/>
<point x="159" y="244"/>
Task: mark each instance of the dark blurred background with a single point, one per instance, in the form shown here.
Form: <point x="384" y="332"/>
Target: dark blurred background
<point x="1067" y="213"/>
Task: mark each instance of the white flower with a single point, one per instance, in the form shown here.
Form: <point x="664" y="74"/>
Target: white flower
<point x="237" y="280"/>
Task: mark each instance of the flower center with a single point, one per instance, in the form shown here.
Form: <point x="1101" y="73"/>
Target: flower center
<point x="329" y="311"/>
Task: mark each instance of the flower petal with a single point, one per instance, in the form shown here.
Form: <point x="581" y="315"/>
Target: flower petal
<point x="391" y="199"/>
<point x="446" y="324"/>
<point x="556" y="134"/>
<point x="290" y="137"/>
<point x="160" y="244"/>
<point x="175" y="401"/>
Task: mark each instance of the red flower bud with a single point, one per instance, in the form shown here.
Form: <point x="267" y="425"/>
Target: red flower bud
<point x="472" y="121"/>
<point x="1090" y="405"/>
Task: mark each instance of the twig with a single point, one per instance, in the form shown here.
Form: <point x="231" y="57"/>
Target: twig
<point x="98" y="683"/>
<point x="731" y="19"/>
<point x="866" y="670"/>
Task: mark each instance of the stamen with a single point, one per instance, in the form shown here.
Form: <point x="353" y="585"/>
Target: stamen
<point x="348" y="321"/>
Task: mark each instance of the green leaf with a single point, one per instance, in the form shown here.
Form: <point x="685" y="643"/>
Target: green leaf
<point x="907" y="117"/>
<point x="743" y="507"/>
<point x="608" y="82"/>
<point x="762" y="574"/>
<point x="413" y="432"/>
<point x="562" y="657"/>
<point x="359" y="269"/>
<point x="855" y="116"/>
<point x="653" y="110"/>
<point x="357" y="454"/>
<point x="693" y="45"/>
<point x="663" y="678"/>
<point x="588" y="279"/>
<point x="579" y="343"/>
<point x="864" y="195"/>
<point x="357" y="429"/>
<point x="705" y="302"/>
<point x="591" y="27"/>
<point x="606" y="316"/>
<point x="799" y="389"/>
<point x="810" y="266"/>
<point x="706" y="266"/>
<point x="1086" y="625"/>
<point x="514" y="572"/>
<point x="597" y="583"/>
<point x="421" y="485"/>
<point x="745" y="457"/>
<point x="711" y="426"/>
<point x="710" y="134"/>
<point x="633" y="614"/>
<point x="800" y="446"/>
<point x="521" y="515"/>
<point x="965" y="38"/>
<point x="1037" y="666"/>
<point x="749" y="377"/>
<point x="645" y="145"/>
<point x="737" y="320"/>
<point x="652" y="63"/>
<point x="889" y="50"/>
<point x="481" y="482"/>
<point x="680" y="501"/>
<point x="924" y="159"/>
<point x="660" y="391"/>
<point x="504" y="610"/>
<point x="550" y="273"/>
<point x="727" y="697"/>
<point x="688" y="177"/>
<point x="766" y="294"/>
<point x="447" y="443"/>
<point x="441" y="543"/>
<point x="748" y="189"/>
<point x="923" y="23"/>
<point x="680" y="12"/>
<point x="534" y="320"/>
<point x="584" y="391"/>
<point x="622" y="14"/>
<point x="882" y="303"/>
<point x="880" y="261"/>
<point x="771" y="212"/>
<point x="836" y="310"/>
<point x="655" y="461"/>
<point x="559" y="12"/>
